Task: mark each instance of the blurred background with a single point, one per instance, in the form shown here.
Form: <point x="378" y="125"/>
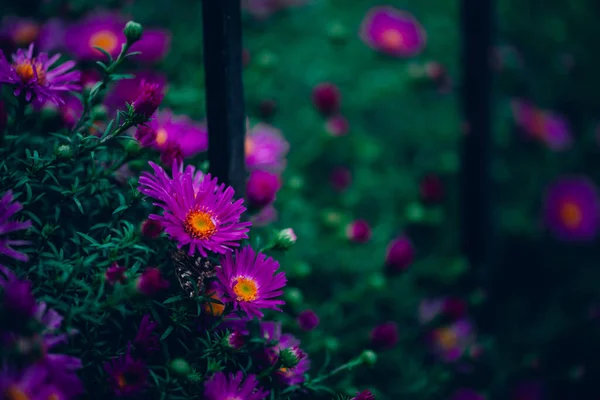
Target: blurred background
<point x="368" y="96"/>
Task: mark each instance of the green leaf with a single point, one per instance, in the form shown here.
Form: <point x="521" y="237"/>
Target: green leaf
<point x="167" y="332"/>
<point x="121" y="208"/>
<point x="78" y="204"/>
<point x="106" y="54"/>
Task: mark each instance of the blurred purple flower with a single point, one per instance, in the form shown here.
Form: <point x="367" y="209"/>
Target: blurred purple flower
<point x="359" y="231"/>
<point x="340" y="178"/>
<point x="400" y="255"/>
<point x="265" y="148"/>
<point x="8" y="208"/>
<point x="326" y="98"/>
<point x="220" y="386"/>
<point x="22" y="31"/>
<point x="52" y="35"/>
<point x="150" y="282"/>
<point x="127" y="375"/>
<point x="364" y="395"/>
<point x="308" y="320"/>
<point x="265" y="216"/>
<point x="261" y="188"/>
<point x="385" y="336"/>
<point x="146" y="342"/>
<point x="451" y="341"/>
<point x="337" y="125"/>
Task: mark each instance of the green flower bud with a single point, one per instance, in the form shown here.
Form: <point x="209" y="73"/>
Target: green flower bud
<point x="377" y="281"/>
<point x="290" y="357"/>
<point x="332" y="343"/>
<point x="368" y="357"/>
<point x="64" y="152"/>
<point x="302" y="269"/>
<point x="132" y="147"/>
<point x="99" y="113"/>
<point x="294" y="295"/>
<point x="267" y="60"/>
<point x="284" y="239"/>
<point x="133" y="32"/>
<point x="180" y="366"/>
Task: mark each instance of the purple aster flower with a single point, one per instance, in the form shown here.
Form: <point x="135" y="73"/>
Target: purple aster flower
<point x="451" y="341"/>
<point x="467" y="394"/>
<point x="127" y="90"/>
<point x="261" y="188"/>
<point x="364" y="395"/>
<point x="17" y="298"/>
<point x="250" y="281"/>
<point x="23" y="31"/>
<point x="105" y="30"/>
<point x="571" y="209"/>
<point x="8" y="208"/>
<point x="198" y="211"/>
<point x="393" y="32"/>
<point x="146" y="340"/>
<point x="294" y="375"/>
<point x="127" y="376"/>
<point x="220" y="387"/>
<point x="308" y="320"/>
<point x="166" y="128"/>
<point x="149" y="97"/>
<point x="266" y="148"/>
<point x="34" y="77"/>
<point x="25" y="384"/>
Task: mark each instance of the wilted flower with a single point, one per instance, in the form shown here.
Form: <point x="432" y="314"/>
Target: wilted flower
<point x="146" y="340"/>
<point x="219" y="387"/>
<point x="308" y="320"/>
<point x="115" y="274"/>
<point x="265" y="148"/>
<point x="198" y="211"/>
<point x="364" y="395"/>
<point x="34" y="77"/>
<point x="400" y="255"/>
<point x="8" y="209"/>
<point x="261" y="188"/>
<point x="571" y="209"/>
<point x="106" y="32"/>
<point x="337" y="125"/>
<point x="385" y="336"/>
<point x="393" y="32"/>
<point x="151" y="282"/>
<point x="127" y="376"/>
<point x="359" y="231"/>
<point x="250" y="281"/>
<point x="326" y="98"/>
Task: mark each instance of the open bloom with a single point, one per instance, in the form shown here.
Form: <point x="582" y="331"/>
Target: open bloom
<point x="197" y="210"/>
<point x="220" y="387"/>
<point x="126" y="375"/>
<point x="23" y="31"/>
<point x="451" y="341"/>
<point x="8" y="208"/>
<point x="571" y="210"/>
<point x="393" y="32"/>
<point x="34" y="77"/>
<point x="250" y="281"/>
<point x="265" y="148"/>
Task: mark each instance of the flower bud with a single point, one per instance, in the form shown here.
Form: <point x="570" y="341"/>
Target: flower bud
<point x="294" y="295"/>
<point x="133" y="32"/>
<point x="180" y="366"/>
<point x="64" y="152"/>
<point x="262" y="188"/>
<point x="284" y="239"/>
<point x="308" y="320"/>
<point x="359" y="231"/>
<point x="385" y="336"/>
<point x="234" y="340"/>
<point x="400" y="255"/>
<point x="148" y="99"/>
<point x="340" y="178"/>
<point x="368" y="357"/>
<point x="290" y="357"/>
<point x="151" y="282"/>
<point x="337" y="126"/>
<point x="326" y="98"/>
<point x="115" y="274"/>
<point x="99" y="113"/>
<point x="132" y="147"/>
<point x="332" y="343"/>
<point x="151" y="229"/>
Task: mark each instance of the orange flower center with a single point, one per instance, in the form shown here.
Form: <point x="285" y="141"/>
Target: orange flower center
<point x="245" y="289"/>
<point x="121" y="381"/>
<point x="392" y="38"/>
<point x="26" y="33"/>
<point x="447" y="338"/>
<point x="106" y="40"/>
<point x="53" y="396"/>
<point x="248" y="145"/>
<point x="15" y="393"/>
<point x="214" y="309"/>
<point x="570" y="214"/>
<point x="161" y="136"/>
<point x="200" y="224"/>
<point x="26" y="72"/>
<point x="538" y="124"/>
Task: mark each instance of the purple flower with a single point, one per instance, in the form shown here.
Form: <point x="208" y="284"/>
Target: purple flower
<point x="308" y="320"/>
<point x="115" y="273"/>
<point x="451" y="341"/>
<point x="52" y="35"/>
<point x="551" y="129"/>
<point x="235" y="340"/>
<point x="8" y="208"/>
<point x="150" y="283"/>
<point x="71" y="110"/>
<point x="393" y="32"/>
<point x="220" y="387"/>
<point x="127" y="376"/>
<point x="364" y="395"/>
<point x="265" y="216"/>
<point x="326" y="98"/>
<point x="149" y="97"/>
<point x="34" y="77"/>
<point x="266" y="148"/>
<point x="571" y="209"/>
<point x="146" y="341"/>
<point x="22" y="385"/>
<point x="127" y="90"/>
<point x="106" y="31"/>
<point x="340" y="178"/>
<point x="400" y="255"/>
<point x="250" y="281"/>
<point x="385" y="336"/>
<point x="261" y="188"/>
<point x="359" y="231"/>
<point x="295" y="375"/>
<point x="337" y="125"/>
<point x="556" y="133"/>
<point x="22" y="31"/>
<point x="17" y="299"/>
<point x="198" y="211"/>
<point x="151" y="229"/>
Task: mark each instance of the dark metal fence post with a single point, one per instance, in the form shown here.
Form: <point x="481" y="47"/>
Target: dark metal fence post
<point x="225" y="115"/>
<point x="477" y="97"/>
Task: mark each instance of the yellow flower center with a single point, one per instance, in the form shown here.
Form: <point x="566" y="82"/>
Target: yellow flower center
<point x="447" y="338"/>
<point x="214" y="309"/>
<point x="570" y="214"/>
<point x="106" y="40"/>
<point x="25" y="71"/>
<point x="26" y="33"/>
<point x="200" y="224"/>
<point x="392" y="39"/>
<point x="15" y="393"/>
<point x="245" y="289"/>
<point x="248" y="145"/>
<point x="161" y="136"/>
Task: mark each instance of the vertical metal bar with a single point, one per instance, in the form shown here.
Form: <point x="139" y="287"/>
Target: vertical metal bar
<point x="225" y="114"/>
<point x="476" y="102"/>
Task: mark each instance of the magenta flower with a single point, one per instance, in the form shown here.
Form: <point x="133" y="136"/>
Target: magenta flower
<point x="393" y="32"/>
<point x="359" y="231"/>
<point x="71" y="110"/>
<point x="571" y="209"/>
<point x="265" y="216"/>
<point x="262" y="9"/>
<point x="266" y="148"/>
<point x="261" y="188"/>
<point x="385" y="336"/>
<point x="165" y="128"/>
<point x="23" y="31"/>
<point x="115" y="274"/>
<point x="220" y="387"/>
<point x="340" y="178"/>
<point x="8" y="209"/>
<point x="250" y="281"/>
<point x="326" y="98"/>
<point x="52" y="35"/>
<point x="150" y="283"/>
<point x="127" y="90"/>
<point x="23" y="385"/>
<point x="556" y="133"/>
<point x="235" y="340"/>
<point x="151" y="229"/>
<point x="307" y="320"/>
<point x="337" y="125"/>
<point x="294" y="375"/>
<point x="17" y="297"/>
<point x="400" y="255"/>
<point x="127" y="376"/>
<point x="106" y="32"/>
<point x="197" y="210"/>
<point x="149" y="97"/>
<point x="34" y="77"/>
